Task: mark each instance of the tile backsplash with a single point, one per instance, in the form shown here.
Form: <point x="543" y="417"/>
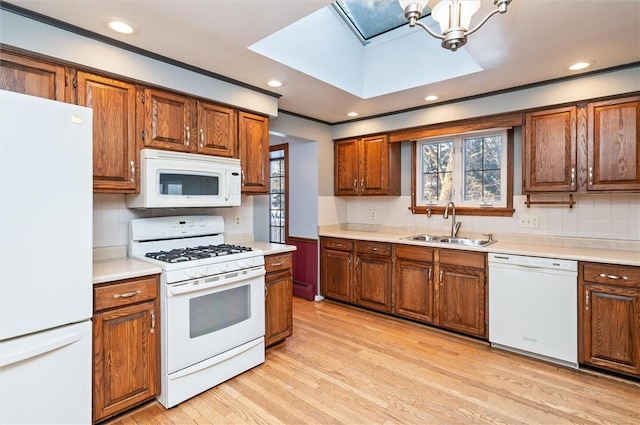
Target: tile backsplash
<point x="111" y="218"/>
<point x="614" y="217"/>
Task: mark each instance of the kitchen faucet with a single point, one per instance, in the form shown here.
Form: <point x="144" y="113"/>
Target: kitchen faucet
<point x="455" y="225"/>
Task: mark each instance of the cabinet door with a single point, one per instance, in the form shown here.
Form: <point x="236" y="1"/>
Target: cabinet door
<point x="279" y="318"/>
<point x="346" y="160"/>
<point x="373" y="282"/>
<point x="125" y="358"/>
<point x="374" y="165"/>
<point x="30" y="76"/>
<point x="610" y="327"/>
<point x="114" y="148"/>
<point x="253" y="143"/>
<point x="461" y="299"/>
<point x="335" y="275"/>
<point x="167" y="120"/>
<point x="613" y="152"/>
<point x="550" y="150"/>
<point x="413" y="283"/>
<point x="217" y="129"/>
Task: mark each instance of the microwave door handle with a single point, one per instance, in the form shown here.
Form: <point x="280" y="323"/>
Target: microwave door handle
<point x="228" y="186"/>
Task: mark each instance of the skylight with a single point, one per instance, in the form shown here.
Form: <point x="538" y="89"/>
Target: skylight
<point x="371" y="18"/>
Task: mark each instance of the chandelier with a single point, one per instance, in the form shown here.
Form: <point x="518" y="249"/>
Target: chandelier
<point x="454" y="17"/>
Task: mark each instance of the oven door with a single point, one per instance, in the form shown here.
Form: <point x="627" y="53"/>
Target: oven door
<point x="210" y="315"/>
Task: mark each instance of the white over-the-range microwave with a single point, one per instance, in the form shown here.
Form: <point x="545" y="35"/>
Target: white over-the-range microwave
<point x="177" y="180"/>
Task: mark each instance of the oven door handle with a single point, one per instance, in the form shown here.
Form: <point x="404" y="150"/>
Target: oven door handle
<point x="195" y="286"/>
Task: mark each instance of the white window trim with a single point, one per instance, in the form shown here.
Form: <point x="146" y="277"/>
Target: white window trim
<point x="458" y="171"/>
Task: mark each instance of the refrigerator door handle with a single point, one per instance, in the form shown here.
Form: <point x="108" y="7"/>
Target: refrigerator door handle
<point x="7" y="359"/>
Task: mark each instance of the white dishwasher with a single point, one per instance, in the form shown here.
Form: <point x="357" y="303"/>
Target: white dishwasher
<point x="533" y="303"/>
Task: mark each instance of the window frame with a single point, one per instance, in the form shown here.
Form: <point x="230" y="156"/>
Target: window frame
<point x="458" y="168"/>
<point x="285" y="148"/>
<point x="501" y="211"/>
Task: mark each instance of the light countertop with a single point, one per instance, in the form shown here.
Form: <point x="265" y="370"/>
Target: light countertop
<point x="600" y="251"/>
<point x="113" y="269"/>
<point x="268" y="248"/>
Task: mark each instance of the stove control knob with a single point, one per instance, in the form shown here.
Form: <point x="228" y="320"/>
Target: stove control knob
<point x="202" y="271"/>
<point x="191" y="274"/>
<point x="224" y="267"/>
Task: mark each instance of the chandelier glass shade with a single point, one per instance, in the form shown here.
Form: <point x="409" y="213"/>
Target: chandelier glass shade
<point x="454" y="17"/>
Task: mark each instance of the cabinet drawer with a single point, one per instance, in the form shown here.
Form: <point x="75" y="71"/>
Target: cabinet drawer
<point x="377" y="248"/>
<point x="611" y="274"/>
<point x="337" y="244"/>
<point x="125" y="292"/>
<point x="417" y="253"/>
<point x="463" y="258"/>
<point x="276" y="262"/>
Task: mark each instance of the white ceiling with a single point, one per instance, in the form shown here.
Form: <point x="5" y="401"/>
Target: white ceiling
<point x="533" y="42"/>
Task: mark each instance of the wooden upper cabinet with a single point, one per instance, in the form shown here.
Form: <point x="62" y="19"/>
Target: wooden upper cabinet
<point x="168" y="121"/>
<point x="346" y="169"/>
<point x="253" y="144"/>
<point x="115" y="163"/>
<point x="613" y="152"/>
<point x="367" y="166"/>
<point x="217" y="130"/>
<point x="550" y="161"/>
<point x="30" y="76"/>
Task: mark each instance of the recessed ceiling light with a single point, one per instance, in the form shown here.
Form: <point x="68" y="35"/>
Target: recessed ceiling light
<point x="431" y="98"/>
<point x="120" y="25"/>
<point x="352" y="114"/>
<point x="275" y="83"/>
<point x="581" y="65"/>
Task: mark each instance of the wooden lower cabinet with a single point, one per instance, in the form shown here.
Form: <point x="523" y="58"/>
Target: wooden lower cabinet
<point x="413" y="282"/>
<point x="443" y="287"/>
<point x="461" y="292"/>
<point x="373" y="275"/>
<point x="278" y="294"/>
<point x="336" y="273"/>
<point x="126" y="366"/>
<point x="609" y="317"/>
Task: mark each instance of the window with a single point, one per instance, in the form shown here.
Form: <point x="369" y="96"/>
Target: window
<point x="278" y="185"/>
<point x="469" y="169"/>
<point x="371" y="18"/>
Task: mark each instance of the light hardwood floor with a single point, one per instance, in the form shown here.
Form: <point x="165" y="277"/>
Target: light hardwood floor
<point x="344" y="365"/>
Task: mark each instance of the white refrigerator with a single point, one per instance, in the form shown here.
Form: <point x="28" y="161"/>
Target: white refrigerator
<point x="45" y="261"/>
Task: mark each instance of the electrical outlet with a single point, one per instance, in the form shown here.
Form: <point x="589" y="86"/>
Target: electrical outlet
<point x="236" y="221"/>
<point x="373" y="214"/>
<point x="528" y="221"/>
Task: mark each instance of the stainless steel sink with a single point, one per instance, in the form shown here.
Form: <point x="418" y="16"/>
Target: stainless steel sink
<point x="423" y="238"/>
<point x="450" y="241"/>
<point x="467" y="242"/>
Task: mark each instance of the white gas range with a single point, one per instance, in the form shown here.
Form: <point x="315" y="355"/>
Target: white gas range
<point x="212" y="302"/>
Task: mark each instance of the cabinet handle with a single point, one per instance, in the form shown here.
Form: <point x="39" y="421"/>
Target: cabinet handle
<point x="265" y="291"/>
<point x="573" y="176"/>
<point x="355" y="185"/>
<point x="586" y="300"/>
<point x="375" y="248"/>
<point x="430" y="273"/>
<point x="186" y="142"/>
<point x="441" y="277"/>
<point x="153" y="320"/>
<point x="201" y="137"/>
<point x="243" y="179"/>
<point x="613" y="276"/>
<point x="133" y="172"/>
<point x="357" y="263"/>
<point x="128" y="294"/>
<point x="277" y="264"/>
<point x="361" y="185"/>
<point x="591" y="176"/>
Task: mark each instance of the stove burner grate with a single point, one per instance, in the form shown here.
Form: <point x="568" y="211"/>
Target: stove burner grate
<point x="196" y="253"/>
